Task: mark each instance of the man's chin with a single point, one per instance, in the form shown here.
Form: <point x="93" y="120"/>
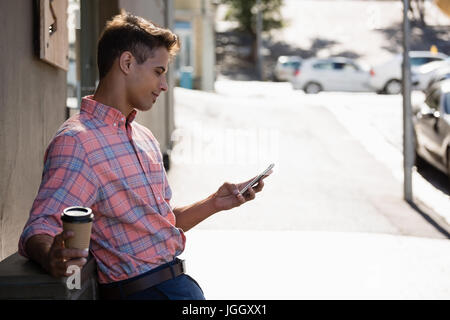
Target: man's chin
<point x="145" y="107"/>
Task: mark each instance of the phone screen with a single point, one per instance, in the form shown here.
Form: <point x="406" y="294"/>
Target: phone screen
<point x="256" y="180"/>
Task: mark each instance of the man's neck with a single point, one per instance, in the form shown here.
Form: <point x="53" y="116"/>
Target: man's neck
<point x="108" y="94"/>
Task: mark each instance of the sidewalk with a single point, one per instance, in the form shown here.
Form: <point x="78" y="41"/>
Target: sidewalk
<point x="324" y="179"/>
<point x="317" y="265"/>
<point x="330" y="223"/>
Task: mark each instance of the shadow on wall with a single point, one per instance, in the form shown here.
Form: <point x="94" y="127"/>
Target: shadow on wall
<point x="233" y="54"/>
<point x="233" y="48"/>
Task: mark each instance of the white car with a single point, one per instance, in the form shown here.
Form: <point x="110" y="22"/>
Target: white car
<point x="387" y="76"/>
<point x="426" y="73"/>
<point x="286" y="67"/>
<point x="332" y="74"/>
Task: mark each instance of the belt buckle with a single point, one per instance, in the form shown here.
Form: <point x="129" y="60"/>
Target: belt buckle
<point x="183" y="266"/>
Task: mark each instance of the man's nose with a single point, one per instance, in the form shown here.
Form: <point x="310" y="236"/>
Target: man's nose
<point x="164" y="86"/>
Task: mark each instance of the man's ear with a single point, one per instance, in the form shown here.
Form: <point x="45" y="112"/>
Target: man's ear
<point x="125" y="62"/>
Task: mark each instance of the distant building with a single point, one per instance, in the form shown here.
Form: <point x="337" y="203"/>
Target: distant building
<point x="194" y="24"/>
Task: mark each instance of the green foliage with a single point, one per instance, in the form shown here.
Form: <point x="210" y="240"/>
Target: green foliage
<point x="244" y="11"/>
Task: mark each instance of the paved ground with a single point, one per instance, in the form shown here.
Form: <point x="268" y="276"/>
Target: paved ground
<point x="376" y="121"/>
<point x="332" y="213"/>
<point x="331" y="222"/>
<point x="327" y="156"/>
<point x="317" y="265"/>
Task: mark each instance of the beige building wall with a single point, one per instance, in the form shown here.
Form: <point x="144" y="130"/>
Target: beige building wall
<point x="201" y="14"/>
<point x="159" y="119"/>
<point x="32" y="107"/>
<point x="188" y="5"/>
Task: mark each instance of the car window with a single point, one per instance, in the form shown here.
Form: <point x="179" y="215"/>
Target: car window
<point x="338" y="66"/>
<point x="350" y="67"/>
<point x="323" y="66"/>
<point x="447" y="103"/>
<point x="418" y="61"/>
<point x="296" y="64"/>
<point x="433" y="59"/>
<point x="433" y="100"/>
<point x="291" y="64"/>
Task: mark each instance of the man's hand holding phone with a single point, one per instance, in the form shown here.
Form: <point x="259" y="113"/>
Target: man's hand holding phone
<point x="232" y="195"/>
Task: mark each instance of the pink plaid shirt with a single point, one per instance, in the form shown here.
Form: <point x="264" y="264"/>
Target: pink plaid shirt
<point x="101" y="160"/>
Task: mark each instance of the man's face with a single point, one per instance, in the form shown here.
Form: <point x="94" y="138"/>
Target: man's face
<point x="146" y="81"/>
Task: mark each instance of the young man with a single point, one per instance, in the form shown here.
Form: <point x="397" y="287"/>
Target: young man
<point x="104" y="160"/>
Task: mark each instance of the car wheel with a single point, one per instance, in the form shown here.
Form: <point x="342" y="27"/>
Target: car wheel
<point x="419" y="162"/>
<point x="312" y="88"/>
<point x="393" y="87"/>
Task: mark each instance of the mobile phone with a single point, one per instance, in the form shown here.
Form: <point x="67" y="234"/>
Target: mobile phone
<point x="256" y="180"/>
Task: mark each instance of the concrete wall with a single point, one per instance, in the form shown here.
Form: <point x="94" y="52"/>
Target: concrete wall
<point x="32" y="107"/>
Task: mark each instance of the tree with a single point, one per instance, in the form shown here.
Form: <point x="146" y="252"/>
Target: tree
<point x="245" y="11"/>
<point x="418" y="10"/>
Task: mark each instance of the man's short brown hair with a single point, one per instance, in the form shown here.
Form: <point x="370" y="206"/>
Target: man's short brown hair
<point x="126" y="32"/>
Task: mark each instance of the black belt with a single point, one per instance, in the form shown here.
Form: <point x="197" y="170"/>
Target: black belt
<point x="152" y="279"/>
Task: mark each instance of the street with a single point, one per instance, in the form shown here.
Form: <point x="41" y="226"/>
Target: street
<point x="337" y="155"/>
<point x="330" y="190"/>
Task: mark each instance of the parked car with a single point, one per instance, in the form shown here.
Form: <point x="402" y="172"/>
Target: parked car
<point x="332" y="74"/>
<point x="286" y="67"/>
<point x="387" y="76"/>
<point x="439" y="75"/>
<point x="432" y="127"/>
<point x="431" y="72"/>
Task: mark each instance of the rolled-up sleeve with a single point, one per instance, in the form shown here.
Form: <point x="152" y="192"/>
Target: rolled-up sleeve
<point x="67" y="180"/>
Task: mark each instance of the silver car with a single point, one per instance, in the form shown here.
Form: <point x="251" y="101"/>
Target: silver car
<point x="286" y="67"/>
<point x="430" y="73"/>
<point x="432" y="127"/>
<point x="332" y="74"/>
<point x="387" y="77"/>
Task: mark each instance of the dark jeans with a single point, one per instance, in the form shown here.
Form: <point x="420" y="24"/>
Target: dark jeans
<point x="182" y="287"/>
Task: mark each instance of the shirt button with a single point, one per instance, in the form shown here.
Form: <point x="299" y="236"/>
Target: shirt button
<point x="114" y="124"/>
<point x="159" y="198"/>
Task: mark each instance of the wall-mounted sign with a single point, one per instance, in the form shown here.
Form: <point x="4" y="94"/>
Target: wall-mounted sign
<point x="54" y="45"/>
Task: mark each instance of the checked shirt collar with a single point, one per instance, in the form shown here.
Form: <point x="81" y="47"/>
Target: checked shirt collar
<point x="107" y="114"/>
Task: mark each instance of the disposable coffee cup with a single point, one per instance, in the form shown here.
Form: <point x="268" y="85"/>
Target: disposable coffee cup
<point x="79" y="220"/>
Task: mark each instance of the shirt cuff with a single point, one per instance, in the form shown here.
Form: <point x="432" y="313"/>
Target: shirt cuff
<point x="33" y="230"/>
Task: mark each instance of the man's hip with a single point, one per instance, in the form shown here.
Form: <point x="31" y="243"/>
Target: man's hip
<point x="167" y="282"/>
